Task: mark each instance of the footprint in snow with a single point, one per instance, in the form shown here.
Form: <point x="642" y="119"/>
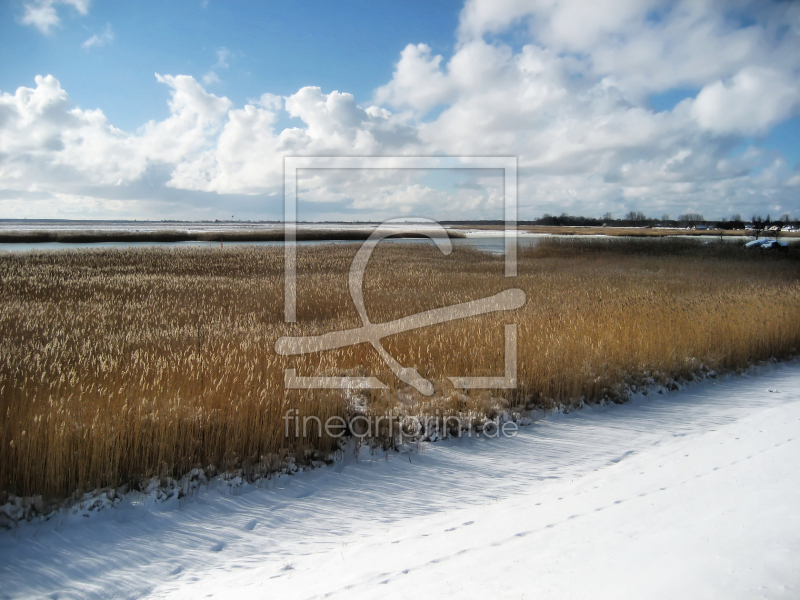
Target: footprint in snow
<point x="176" y="570"/>
<point x="251" y="525"/>
<point x="218" y="547"/>
<point x="620" y="458"/>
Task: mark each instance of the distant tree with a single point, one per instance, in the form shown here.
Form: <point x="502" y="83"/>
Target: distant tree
<point x="665" y="217"/>
<point x="736" y="222"/>
<point x="691" y="217"/>
<point x="758" y="224"/>
<point x="786" y="218"/>
<point x="608" y="217"/>
<point x="635" y="216"/>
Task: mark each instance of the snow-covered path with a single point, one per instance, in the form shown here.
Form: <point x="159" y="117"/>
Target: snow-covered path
<point x="693" y="494"/>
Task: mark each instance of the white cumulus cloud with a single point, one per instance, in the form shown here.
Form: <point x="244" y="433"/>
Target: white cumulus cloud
<point x="42" y="14"/>
<point x="750" y="102"/>
<point x="47" y="144"/>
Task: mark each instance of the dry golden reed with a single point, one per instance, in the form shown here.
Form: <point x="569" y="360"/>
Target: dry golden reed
<point x="120" y="365"/>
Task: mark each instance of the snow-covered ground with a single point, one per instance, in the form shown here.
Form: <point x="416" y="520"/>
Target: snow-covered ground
<point x="692" y="494"/>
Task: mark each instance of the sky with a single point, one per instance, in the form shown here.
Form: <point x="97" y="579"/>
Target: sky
<point x="186" y="109"/>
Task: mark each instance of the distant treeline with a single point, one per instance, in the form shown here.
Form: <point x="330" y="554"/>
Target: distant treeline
<point x="639" y="219"/>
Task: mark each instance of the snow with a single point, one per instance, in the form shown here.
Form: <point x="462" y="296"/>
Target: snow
<point x="495" y="233"/>
<point x="688" y="494"/>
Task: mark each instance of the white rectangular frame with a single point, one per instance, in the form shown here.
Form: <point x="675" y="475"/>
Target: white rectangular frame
<point x="293" y="163"/>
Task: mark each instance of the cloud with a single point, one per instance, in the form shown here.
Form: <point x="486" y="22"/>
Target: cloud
<point x="247" y="157"/>
<point x="42" y="14"/>
<point x="648" y="45"/>
<point x="106" y="37"/>
<point x="573" y="101"/>
<point x="418" y="81"/>
<point x="210" y="77"/>
<point x="750" y="102"/>
<point x="223" y="55"/>
<point x="384" y="193"/>
<point x="48" y="146"/>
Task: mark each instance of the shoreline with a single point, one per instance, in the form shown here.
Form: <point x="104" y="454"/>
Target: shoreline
<point x="66" y="232"/>
<point x="20" y="512"/>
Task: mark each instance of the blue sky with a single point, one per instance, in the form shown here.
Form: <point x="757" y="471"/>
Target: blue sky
<point x="274" y="46"/>
<point x="186" y="109"/>
<point x="783" y="139"/>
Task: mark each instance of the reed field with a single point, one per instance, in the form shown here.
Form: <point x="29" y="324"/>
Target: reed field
<point x="117" y="366"/>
